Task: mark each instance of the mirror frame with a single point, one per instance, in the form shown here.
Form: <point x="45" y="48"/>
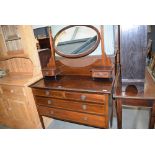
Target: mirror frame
<point x="93" y="48"/>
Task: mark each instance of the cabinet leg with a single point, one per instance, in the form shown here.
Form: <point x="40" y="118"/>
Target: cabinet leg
<point x="152" y="117"/>
<point x="42" y="121"/>
<point x="119" y="113"/>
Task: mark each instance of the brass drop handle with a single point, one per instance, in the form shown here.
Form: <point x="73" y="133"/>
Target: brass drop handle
<point x="85" y="118"/>
<point x="46" y="73"/>
<point x="83" y="97"/>
<point x="84" y="107"/>
<point x="49" y="102"/>
<point x="47" y="92"/>
<point x="51" y="112"/>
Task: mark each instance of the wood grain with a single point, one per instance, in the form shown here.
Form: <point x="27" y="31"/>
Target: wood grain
<point x="133" y="48"/>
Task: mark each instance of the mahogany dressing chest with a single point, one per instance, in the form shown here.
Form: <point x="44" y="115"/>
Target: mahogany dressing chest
<point x="69" y="91"/>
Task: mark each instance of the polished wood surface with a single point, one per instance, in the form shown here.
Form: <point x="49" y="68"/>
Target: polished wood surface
<point x="77" y="99"/>
<point x="80" y="66"/>
<point x="133" y="98"/>
<point x="76" y="83"/>
<point x="102" y="72"/>
<point x="72" y="116"/>
<point x="44" y="56"/>
<point x="85" y="97"/>
<point x="71" y="105"/>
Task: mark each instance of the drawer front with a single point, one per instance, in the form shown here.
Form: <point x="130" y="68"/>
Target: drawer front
<point x="85" y="97"/>
<point x="88" y="119"/>
<point x="71" y="105"/>
<point x="12" y="90"/>
<point x="48" y="73"/>
<point x="100" y="74"/>
<point x="48" y="93"/>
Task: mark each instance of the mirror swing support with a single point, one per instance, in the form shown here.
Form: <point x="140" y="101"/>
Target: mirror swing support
<point x="84" y="47"/>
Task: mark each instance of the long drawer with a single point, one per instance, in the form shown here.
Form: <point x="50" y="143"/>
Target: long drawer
<point x="85" y="97"/>
<point x="71" y="105"/>
<point x="87" y="119"/>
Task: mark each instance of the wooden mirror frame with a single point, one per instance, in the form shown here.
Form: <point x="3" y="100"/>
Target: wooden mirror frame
<point x="81" y="54"/>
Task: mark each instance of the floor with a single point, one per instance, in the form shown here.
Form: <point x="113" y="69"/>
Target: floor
<point x="133" y="118"/>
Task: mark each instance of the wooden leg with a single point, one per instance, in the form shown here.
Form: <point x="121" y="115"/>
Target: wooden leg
<point x="112" y="112"/>
<point x="152" y="117"/>
<point x="119" y="113"/>
<point x="42" y="121"/>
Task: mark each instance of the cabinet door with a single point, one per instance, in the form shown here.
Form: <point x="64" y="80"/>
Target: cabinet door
<point x="3" y="108"/>
<point x="18" y="109"/>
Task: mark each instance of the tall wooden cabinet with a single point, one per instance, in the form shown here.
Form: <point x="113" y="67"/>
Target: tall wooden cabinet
<point x="18" y="55"/>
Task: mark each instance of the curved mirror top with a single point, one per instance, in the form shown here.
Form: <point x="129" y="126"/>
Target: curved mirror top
<point x="76" y="41"/>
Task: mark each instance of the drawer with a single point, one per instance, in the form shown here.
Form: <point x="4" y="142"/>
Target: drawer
<point x="102" y="74"/>
<point x="48" y="93"/>
<point x="71" y="105"/>
<point x="87" y="119"/>
<point x="12" y="90"/>
<point x="85" y="97"/>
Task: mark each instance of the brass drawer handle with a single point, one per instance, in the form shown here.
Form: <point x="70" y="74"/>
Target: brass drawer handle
<point x="84" y="107"/>
<point x="49" y="102"/>
<point x="83" y="97"/>
<point x="47" y="92"/>
<point x="51" y="112"/>
<point x="46" y="73"/>
<point x="85" y="118"/>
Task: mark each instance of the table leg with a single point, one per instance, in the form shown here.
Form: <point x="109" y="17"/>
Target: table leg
<point x="119" y="113"/>
<point x="112" y="111"/>
<point x="152" y="117"/>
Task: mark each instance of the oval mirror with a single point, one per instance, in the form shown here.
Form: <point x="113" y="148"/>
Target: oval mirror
<point x="76" y="41"/>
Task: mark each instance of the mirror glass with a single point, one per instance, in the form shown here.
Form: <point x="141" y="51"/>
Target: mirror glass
<point x="76" y="41"/>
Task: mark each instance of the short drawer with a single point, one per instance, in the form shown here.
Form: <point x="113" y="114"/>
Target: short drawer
<point x="12" y="90"/>
<point x="48" y="93"/>
<point x="87" y="119"/>
<point x="102" y="74"/>
<point x="85" y="97"/>
<point x="71" y="105"/>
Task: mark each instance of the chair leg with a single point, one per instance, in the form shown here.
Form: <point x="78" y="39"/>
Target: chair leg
<point x="112" y="113"/>
<point x="119" y="113"/>
<point x="152" y="117"/>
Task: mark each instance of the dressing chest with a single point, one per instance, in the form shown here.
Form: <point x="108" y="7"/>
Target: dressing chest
<point x="75" y="99"/>
<point x="69" y="90"/>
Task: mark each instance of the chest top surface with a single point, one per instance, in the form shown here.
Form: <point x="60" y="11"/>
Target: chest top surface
<point x="148" y="93"/>
<point x="76" y="83"/>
